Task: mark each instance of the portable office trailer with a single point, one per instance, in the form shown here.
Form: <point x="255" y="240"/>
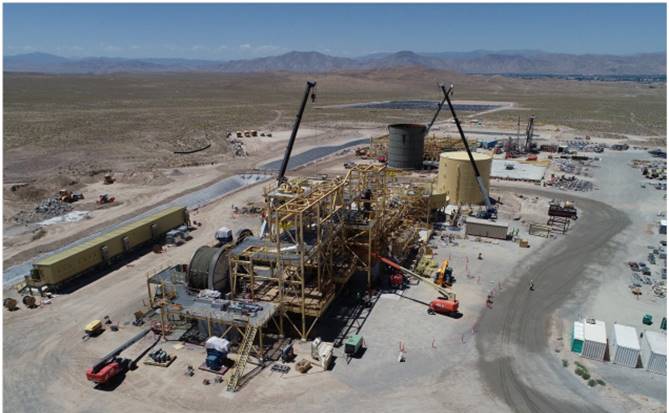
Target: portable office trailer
<point x="577" y="337"/>
<point x="67" y="264"/>
<point x="626" y="346"/>
<point x="657" y="358"/>
<point x="594" y="343"/>
<point x="484" y="228"/>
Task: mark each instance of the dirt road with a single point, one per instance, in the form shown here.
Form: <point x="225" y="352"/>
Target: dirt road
<point x="513" y="340"/>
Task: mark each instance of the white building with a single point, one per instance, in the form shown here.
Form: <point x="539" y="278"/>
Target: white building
<point x="595" y="342"/>
<point x="657" y="359"/>
<point x="626" y="346"/>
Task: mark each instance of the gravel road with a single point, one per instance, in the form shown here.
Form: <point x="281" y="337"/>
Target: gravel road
<point x="310" y="155"/>
<point x="512" y="339"/>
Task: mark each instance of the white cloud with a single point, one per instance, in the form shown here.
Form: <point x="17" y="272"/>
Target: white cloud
<point x="26" y="48"/>
<point x="245" y="46"/>
<point x="110" y="48"/>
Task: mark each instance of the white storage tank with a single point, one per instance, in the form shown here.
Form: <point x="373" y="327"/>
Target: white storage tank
<point x="595" y="342"/>
<point x="626" y="346"/>
<point x="657" y="359"/>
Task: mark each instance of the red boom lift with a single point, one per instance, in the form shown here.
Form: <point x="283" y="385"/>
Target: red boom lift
<point x="446" y="304"/>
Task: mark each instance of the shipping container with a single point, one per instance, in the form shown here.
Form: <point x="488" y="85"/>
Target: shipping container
<point x="484" y="228"/>
<point x="657" y="358"/>
<point x="626" y="346"/>
<point x="595" y="342"/>
<point x="68" y="264"/>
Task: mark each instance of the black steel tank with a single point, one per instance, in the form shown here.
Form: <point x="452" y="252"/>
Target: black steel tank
<point x="208" y="269"/>
<point x="405" y="145"/>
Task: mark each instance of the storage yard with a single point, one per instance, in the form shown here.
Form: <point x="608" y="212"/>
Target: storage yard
<point x="365" y="272"/>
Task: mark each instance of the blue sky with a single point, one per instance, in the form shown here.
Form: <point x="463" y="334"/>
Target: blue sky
<point x="231" y="31"/>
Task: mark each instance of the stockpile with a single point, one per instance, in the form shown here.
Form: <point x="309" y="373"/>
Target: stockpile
<point x="651" y="169"/>
<point x="642" y="275"/>
<point x="238" y="148"/>
<point x="572" y="167"/>
<point x="570" y="183"/>
<point x="584" y="146"/>
<point x="47" y="208"/>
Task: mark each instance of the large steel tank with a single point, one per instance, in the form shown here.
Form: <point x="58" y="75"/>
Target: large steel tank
<point x="457" y="179"/>
<point x="405" y="146"/>
<point x="208" y="269"/>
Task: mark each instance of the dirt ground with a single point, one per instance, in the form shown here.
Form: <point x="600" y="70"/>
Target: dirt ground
<point x="501" y="357"/>
<point x="437" y="347"/>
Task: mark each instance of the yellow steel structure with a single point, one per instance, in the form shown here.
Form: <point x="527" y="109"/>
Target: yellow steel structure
<point x="457" y="180"/>
<point x="71" y="262"/>
<point x="319" y="233"/>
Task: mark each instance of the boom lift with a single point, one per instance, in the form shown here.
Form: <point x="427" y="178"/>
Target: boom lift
<point x="446" y="303"/>
<point x="112" y="365"/>
<point x="286" y="157"/>
<point x="491" y="211"/>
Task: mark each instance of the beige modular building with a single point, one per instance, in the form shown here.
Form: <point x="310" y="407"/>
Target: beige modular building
<point x="71" y="262"/>
<point x="457" y="179"/>
<point x="483" y="228"/>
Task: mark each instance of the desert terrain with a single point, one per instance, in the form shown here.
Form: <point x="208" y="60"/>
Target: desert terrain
<point x="68" y="131"/>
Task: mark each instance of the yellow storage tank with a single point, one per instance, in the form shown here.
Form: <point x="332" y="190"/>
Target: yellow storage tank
<point x="457" y="179"/>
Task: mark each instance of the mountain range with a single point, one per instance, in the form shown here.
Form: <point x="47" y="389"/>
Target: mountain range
<point x="478" y="62"/>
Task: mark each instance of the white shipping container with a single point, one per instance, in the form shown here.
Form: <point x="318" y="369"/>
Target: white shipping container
<point x="657" y="360"/>
<point x="594" y="346"/>
<point x="626" y="344"/>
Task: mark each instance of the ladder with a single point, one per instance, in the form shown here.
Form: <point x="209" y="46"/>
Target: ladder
<point x="244" y="351"/>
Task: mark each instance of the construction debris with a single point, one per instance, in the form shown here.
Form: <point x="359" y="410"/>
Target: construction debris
<point x="570" y="183"/>
<point x="48" y="208"/>
<point x="238" y="148"/>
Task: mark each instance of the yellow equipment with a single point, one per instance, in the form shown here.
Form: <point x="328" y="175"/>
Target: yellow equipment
<point x="441" y="274"/>
<point x="93" y="327"/>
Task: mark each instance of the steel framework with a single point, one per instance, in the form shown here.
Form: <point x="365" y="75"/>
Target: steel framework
<point x="319" y="233"/>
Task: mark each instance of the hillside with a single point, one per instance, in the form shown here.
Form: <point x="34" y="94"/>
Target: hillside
<point x="481" y="62"/>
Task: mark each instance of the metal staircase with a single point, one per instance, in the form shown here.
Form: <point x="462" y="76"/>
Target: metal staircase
<point x="244" y="351"/>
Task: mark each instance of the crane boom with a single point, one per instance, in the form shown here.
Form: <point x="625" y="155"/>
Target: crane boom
<point x="444" y="292"/>
<point x="436" y="114"/>
<point x="479" y="180"/>
<point x="529" y="132"/>
<point x="298" y="119"/>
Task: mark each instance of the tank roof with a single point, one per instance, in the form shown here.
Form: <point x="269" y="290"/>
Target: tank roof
<point x="407" y="126"/>
<point x="462" y="156"/>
